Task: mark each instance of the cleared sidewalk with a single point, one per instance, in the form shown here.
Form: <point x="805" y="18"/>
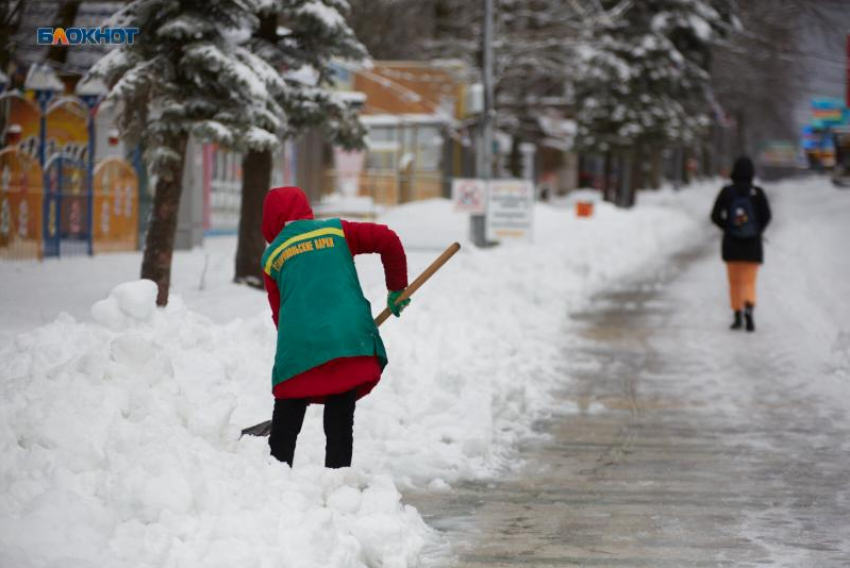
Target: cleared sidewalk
<point x="682" y="444"/>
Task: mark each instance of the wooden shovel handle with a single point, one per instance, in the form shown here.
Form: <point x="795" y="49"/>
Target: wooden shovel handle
<point x="420" y="280"/>
<point x="264" y="428"/>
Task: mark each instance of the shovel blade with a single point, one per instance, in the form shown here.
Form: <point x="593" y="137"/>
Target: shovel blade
<point x="261" y="429"/>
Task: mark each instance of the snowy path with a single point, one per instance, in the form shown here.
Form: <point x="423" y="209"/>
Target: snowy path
<point x="670" y="438"/>
<point x="682" y="443"/>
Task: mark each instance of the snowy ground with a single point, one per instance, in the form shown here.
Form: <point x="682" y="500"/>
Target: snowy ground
<point x="120" y="436"/>
<point x="677" y="442"/>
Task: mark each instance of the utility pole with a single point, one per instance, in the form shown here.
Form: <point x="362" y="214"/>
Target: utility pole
<point x="488" y="90"/>
<point x="847" y="77"/>
<point x="485" y="160"/>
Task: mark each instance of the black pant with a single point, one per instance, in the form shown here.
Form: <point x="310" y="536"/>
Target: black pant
<point x="288" y="417"/>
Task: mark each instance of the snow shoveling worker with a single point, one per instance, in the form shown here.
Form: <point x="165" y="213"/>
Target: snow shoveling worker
<point x="742" y="212"/>
<point x="329" y="350"/>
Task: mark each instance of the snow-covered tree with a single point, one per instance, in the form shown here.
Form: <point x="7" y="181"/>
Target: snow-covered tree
<point x="643" y="83"/>
<point x="301" y="38"/>
<point x="183" y="75"/>
<point x="766" y="67"/>
<point x="392" y="29"/>
<point x="644" y="76"/>
<point x="11" y="15"/>
<point x="534" y="53"/>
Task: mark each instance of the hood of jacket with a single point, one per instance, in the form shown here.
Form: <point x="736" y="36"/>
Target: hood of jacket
<point x="743" y="171"/>
<point x="282" y="205"/>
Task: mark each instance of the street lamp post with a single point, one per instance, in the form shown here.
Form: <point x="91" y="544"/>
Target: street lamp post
<point x="4" y="81"/>
<point x="91" y="91"/>
<point x="41" y="80"/>
<point x="478" y="223"/>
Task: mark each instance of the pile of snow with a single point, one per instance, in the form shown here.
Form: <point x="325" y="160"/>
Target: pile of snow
<point x="120" y="436"/>
<point x="475" y="359"/>
<point x="127" y="304"/>
<point x="120" y="446"/>
<point x="807" y="266"/>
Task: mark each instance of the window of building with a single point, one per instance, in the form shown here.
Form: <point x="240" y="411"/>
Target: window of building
<point x="429" y="145"/>
<point x="380" y="160"/>
<point x="383" y="134"/>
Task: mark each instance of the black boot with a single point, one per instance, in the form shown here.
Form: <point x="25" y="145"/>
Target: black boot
<point x="748" y="317"/>
<point x="739" y="321"/>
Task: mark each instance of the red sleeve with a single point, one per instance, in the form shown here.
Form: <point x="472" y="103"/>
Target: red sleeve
<point x="364" y="238"/>
<point x="274" y="296"/>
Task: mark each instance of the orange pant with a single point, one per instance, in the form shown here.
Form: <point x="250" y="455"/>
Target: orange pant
<point x="742" y="283"/>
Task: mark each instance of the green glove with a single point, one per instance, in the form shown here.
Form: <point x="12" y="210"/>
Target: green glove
<point x="394" y="307"/>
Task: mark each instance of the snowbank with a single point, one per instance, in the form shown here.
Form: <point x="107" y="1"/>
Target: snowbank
<point x="474" y="360"/>
<point x="120" y="440"/>
<point x="808" y="268"/>
<point x="120" y="448"/>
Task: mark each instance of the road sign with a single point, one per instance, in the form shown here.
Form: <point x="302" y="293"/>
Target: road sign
<point x="469" y="195"/>
<point x="510" y="210"/>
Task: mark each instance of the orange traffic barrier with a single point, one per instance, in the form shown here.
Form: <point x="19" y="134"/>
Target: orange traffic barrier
<point x="584" y="209"/>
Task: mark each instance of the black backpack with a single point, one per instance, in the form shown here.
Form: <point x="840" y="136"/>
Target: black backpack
<point x="741" y="221"/>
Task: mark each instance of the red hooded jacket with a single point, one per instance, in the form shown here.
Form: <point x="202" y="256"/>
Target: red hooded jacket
<point x="285" y="204"/>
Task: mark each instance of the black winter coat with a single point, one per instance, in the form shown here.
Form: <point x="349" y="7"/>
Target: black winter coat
<point x="736" y="249"/>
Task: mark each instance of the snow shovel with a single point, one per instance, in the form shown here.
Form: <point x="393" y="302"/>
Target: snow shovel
<point x="264" y="428"/>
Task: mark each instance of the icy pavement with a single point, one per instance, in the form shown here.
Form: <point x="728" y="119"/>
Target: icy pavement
<point x="682" y="443"/>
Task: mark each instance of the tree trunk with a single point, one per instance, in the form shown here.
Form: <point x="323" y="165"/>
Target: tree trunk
<point x="608" y="185"/>
<point x="10" y="23"/>
<point x="256" y="179"/>
<point x="628" y="179"/>
<point x="159" y="243"/>
<point x="687" y="165"/>
<point x="65" y="18"/>
<point x="655" y="167"/>
<point x="636" y="177"/>
<point x="515" y="159"/>
<point x="741" y="134"/>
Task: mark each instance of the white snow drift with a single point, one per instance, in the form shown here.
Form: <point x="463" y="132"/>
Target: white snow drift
<point x="119" y="436"/>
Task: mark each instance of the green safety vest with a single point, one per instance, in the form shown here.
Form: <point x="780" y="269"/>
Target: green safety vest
<point x="323" y="313"/>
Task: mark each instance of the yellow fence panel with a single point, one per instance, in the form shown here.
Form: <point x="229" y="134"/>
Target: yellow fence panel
<point x="116" y="206"/>
<point x="389" y="188"/>
<point x="21" y="202"/>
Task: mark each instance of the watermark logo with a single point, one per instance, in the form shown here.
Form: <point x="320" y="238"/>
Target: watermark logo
<point x="86" y="36"/>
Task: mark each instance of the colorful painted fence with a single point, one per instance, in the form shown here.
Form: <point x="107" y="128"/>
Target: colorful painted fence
<point x="67" y="129"/>
<point x="116" y="206"/>
<point x="51" y="213"/>
<point x="53" y="200"/>
<point x="20" y="205"/>
<point x="67" y="207"/>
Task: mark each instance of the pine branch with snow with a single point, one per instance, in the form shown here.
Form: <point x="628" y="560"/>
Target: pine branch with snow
<point x="302" y="40"/>
<point x="306" y="49"/>
<point x="185" y="74"/>
<point x="644" y="75"/>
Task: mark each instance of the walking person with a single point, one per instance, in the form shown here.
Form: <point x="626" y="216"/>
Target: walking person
<point x="742" y="212"/>
<point x="329" y="350"/>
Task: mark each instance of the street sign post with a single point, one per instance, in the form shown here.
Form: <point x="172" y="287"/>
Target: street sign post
<point x="510" y="210"/>
<point x="469" y="195"/>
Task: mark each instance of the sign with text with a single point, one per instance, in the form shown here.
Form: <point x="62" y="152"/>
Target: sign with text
<point x="469" y="195"/>
<point x="510" y="210"/>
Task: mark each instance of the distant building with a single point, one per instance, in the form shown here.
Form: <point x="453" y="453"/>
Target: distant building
<point x="414" y="113"/>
